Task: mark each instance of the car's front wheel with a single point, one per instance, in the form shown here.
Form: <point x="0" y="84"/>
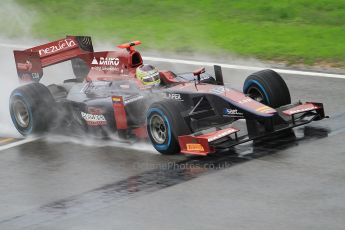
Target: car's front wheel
<point x="164" y="125"/>
<point x="267" y="87"/>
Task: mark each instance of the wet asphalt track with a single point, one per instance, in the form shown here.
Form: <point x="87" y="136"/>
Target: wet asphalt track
<point x="292" y="182"/>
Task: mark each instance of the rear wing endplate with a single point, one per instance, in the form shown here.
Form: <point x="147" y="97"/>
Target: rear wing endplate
<point x="30" y="62"/>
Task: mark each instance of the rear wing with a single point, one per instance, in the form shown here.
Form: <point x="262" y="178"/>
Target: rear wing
<point x="30" y="62"/>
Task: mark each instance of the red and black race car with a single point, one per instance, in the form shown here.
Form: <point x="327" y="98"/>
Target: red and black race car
<point x="191" y="113"/>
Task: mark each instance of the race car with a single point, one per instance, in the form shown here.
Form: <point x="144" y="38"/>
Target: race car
<point x="191" y="113"/>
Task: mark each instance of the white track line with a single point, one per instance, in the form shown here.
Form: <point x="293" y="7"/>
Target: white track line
<point x="17" y="143"/>
<point x="201" y="63"/>
<point x="242" y="67"/>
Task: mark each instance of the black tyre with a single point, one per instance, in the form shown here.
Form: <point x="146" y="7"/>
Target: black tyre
<point x="32" y="108"/>
<point x="267" y="87"/>
<point x="164" y="125"/>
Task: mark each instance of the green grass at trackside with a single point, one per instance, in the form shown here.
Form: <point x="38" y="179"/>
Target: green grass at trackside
<point x="295" y="30"/>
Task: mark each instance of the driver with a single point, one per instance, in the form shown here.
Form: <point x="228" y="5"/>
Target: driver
<point x="148" y="75"/>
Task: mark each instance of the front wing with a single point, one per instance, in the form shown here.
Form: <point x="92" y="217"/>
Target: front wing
<point x="211" y="140"/>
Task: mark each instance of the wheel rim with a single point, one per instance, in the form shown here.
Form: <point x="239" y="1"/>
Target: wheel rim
<point x="256" y="94"/>
<point x="21" y="113"/>
<point x="158" y="129"/>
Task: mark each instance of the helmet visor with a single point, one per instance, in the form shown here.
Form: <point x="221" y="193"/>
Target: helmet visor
<point x="151" y="77"/>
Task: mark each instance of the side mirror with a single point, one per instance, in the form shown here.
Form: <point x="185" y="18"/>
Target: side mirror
<point x="198" y="72"/>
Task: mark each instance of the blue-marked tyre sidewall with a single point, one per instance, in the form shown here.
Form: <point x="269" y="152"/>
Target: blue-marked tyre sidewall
<point x="268" y="87"/>
<point x="170" y="115"/>
<point x="166" y="145"/>
<point x="254" y="83"/>
<point x="22" y="130"/>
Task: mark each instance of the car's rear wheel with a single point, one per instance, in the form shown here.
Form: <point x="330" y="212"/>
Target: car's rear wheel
<point x="164" y="125"/>
<point x="267" y="87"/>
<point x="31" y="108"/>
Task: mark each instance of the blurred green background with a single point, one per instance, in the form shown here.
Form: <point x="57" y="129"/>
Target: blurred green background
<point x="297" y="31"/>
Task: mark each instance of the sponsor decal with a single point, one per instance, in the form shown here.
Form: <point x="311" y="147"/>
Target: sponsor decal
<point x="204" y="77"/>
<point x="109" y="61"/>
<point x="244" y="101"/>
<point x="106" y="64"/>
<point x="27" y="66"/>
<point x="195" y="147"/>
<point x="35" y="76"/>
<point x="219" y="90"/>
<point x="117" y="99"/>
<point x="264" y="109"/>
<point x="95" y="110"/>
<point x="105" y="68"/>
<point x="94" y="119"/>
<point x="134" y="99"/>
<point x="234" y="112"/>
<point x="57" y="47"/>
<point x="175" y="96"/>
<point x="94" y="61"/>
<point x="222" y="134"/>
<point x="294" y="111"/>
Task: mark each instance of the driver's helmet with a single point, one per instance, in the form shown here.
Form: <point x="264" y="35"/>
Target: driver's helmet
<point x="148" y="75"/>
